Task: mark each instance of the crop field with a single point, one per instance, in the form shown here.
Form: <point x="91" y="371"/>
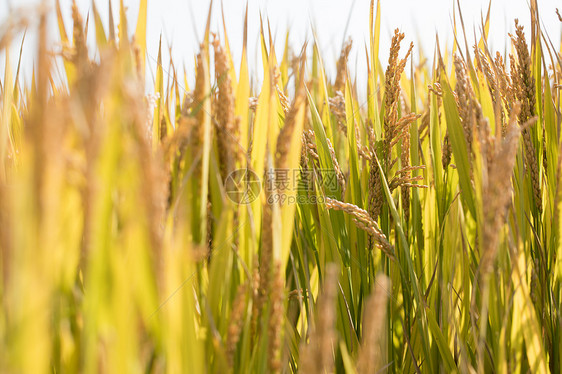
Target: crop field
<point x="294" y="225"/>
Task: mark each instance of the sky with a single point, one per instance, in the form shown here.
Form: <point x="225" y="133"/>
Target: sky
<point x="181" y="24"/>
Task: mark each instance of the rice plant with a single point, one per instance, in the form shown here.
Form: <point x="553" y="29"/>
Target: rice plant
<point x="288" y="227"/>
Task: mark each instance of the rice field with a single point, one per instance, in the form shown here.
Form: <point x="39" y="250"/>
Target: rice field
<point x="286" y="227"/>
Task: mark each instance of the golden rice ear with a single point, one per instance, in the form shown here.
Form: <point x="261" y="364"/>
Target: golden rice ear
<point x="372" y="352"/>
<point x="316" y="355"/>
<point x="236" y="322"/>
<point x="337" y="107"/>
<point x="391" y="89"/>
<point x="364" y="221"/>
<point x="341" y="67"/>
<point x="80" y="56"/>
<point x="498" y="191"/>
<point x="376" y="197"/>
<point x="466" y="101"/>
<point x="524" y="85"/>
<point x="226" y="123"/>
<point x="276" y="321"/>
<point x="447" y="152"/>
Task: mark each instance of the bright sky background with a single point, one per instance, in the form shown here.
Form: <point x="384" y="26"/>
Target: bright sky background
<point x="182" y="23"/>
